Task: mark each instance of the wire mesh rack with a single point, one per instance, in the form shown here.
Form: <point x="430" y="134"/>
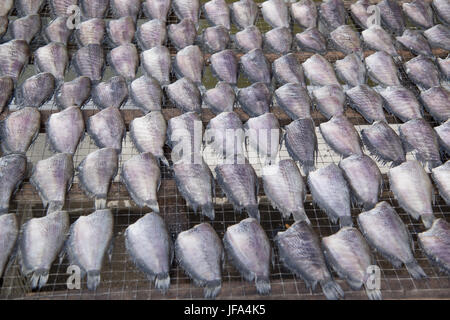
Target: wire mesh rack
<point x="120" y="279"/>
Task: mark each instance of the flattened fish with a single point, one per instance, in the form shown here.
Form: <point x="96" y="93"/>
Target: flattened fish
<point x="287" y="69"/>
<point x="142" y="178"/>
<point x="93" y="8"/>
<point x="301" y="142"/>
<point x="444" y="66"/>
<point x="255" y="66"/>
<point x="110" y="93"/>
<point x="386" y="232"/>
<point x="382" y="69"/>
<point x="36" y="90"/>
<point x="311" y="40"/>
<point x="13" y="169"/>
<point x="200" y="253"/>
<point x="38" y="247"/>
<point x="248" y="39"/>
<point x="52" y="58"/>
<point x="248" y="247"/>
<point x="89" y="241"/>
<point x="91" y="31"/>
<point x="401" y="102"/>
<point x="6" y="91"/>
<point x="284" y="186"/>
<point x="215" y="39"/>
<point x="219" y="99"/>
<point x="124" y="60"/>
<point x="146" y="94"/>
<point x="278" y="40"/>
<point x="60" y="8"/>
<point x="435" y="243"/>
<point x="25" y="28"/>
<point x="121" y="31"/>
<point x="358" y="11"/>
<point x="319" y="71"/>
<point x="124" y="8"/>
<point x="442" y="9"/>
<point x="438" y="37"/>
<point x="65" y="129"/>
<point x="89" y="61"/>
<point x="367" y="102"/>
<point x="376" y="38"/>
<point x="73" y="93"/>
<point x="300" y="251"/>
<point x="443" y="132"/>
<point x="351" y="70"/>
<point x="189" y="63"/>
<point x="332" y="14"/>
<point x="415" y="42"/>
<point x="52" y="178"/>
<point x="14" y="55"/>
<point x="57" y="31"/>
<point x="107" y="128"/>
<point x="217" y="13"/>
<point x="184" y="135"/>
<point x="150" y="247"/>
<point x="304" y="13"/>
<point x="329" y="100"/>
<point x="392" y="16"/>
<point x="156" y="63"/>
<point x="96" y="172"/>
<point x="423" y="72"/>
<point x="9" y="230"/>
<point x="151" y="34"/>
<point x="255" y="100"/>
<point x="275" y="13"/>
<point x="244" y="13"/>
<point x="182" y="34"/>
<point x="441" y="176"/>
<point x="185" y="95"/>
<point x="413" y="190"/>
<point x="224" y="66"/>
<point x="330" y="191"/>
<point x="156" y="9"/>
<point x="345" y="39"/>
<point x="419" y="12"/>
<point x="293" y="98"/>
<point x="187" y="9"/>
<point x="436" y="101"/>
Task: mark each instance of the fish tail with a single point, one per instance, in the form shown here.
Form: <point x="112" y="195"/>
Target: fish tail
<point x="164" y="160"/>
<point x="262" y="285"/>
<point x="208" y="211"/>
<point x="39" y="278"/>
<point x="374" y="294"/>
<point x="332" y="290"/>
<point x="253" y="212"/>
<point x="345" y="221"/>
<point x="93" y="279"/>
<point x="153" y="204"/>
<point x="212" y="289"/>
<point x="300" y="215"/>
<point x="415" y="270"/>
<point x="427" y="220"/>
<point x="54" y="206"/>
<point x="162" y="282"/>
<point x="100" y="203"/>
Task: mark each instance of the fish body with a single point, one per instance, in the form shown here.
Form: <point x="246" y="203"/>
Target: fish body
<point x="438" y="37"/>
<point x="156" y="9"/>
<point x="221" y="98"/>
<point x="442" y="9"/>
<point x="382" y="69"/>
<point x="110" y="93"/>
<point x="14" y="56"/>
<point x="367" y="102"/>
<point x="441" y="176"/>
<point x="93" y="8"/>
<point x="151" y="34"/>
<point x="73" y="93"/>
<point x="423" y="72"/>
<point x="376" y="38"/>
<point x="52" y="58"/>
<point x="345" y="39"/>
<point x="184" y="135"/>
<point x="444" y="66"/>
<point x="304" y="13"/>
<point x="332" y="14"/>
<point x="255" y="66"/>
<point x="401" y="102"/>
<point x="244" y="13"/>
<point x="224" y="66"/>
<point x="419" y="12"/>
<point x="278" y="40"/>
<point x="215" y="39"/>
<point x="275" y="13"/>
<point x="358" y="11"/>
<point x="187" y="9"/>
<point x="443" y="132"/>
<point x="255" y="100"/>
<point x="435" y="242"/>
<point x="121" y="31"/>
<point x="156" y="63"/>
<point x="65" y="129"/>
<point x="248" y="39"/>
<point x="319" y="71"/>
<point x="351" y="70"/>
<point x="125" y="8"/>
<point x="107" y="128"/>
<point x="287" y="69"/>
<point x="414" y="41"/>
<point x="311" y="40"/>
<point x="329" y="100"/>
<point x="91" y="31"/>
<point x="392" y="16"/>
<point x="57" y="31"/>
<point x="218" y="13"/>
<point x="182" y="34"/>
<point x="146" y="94"/>
<point x="294" y="100"/>
<point x="185" y="95"/>
<point x="12" y="172"/>
<point x="89" y="61"/>
<point x="26" y="28"/>
<point x="6" y="91"/>
<point x="9" y="231"/>
<point x="36" y="90"/>
<point x="436" y="101"/>
<point x="124" y="60"/>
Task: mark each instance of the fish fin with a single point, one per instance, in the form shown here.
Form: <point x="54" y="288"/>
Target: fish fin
<point x="100" y="203"/>
<point x="415" y="270"/>
<point x="38" y="278"/>
<point x="162" y="282"/>
<point x="93" y="279"/>
<point x="374" y="294"/>
<point x="427" y="220"/>
<point x="208" y="210"/>
<point x="332" y="290"/>
<point x="253" y="212"/>
<point x="345" y="221"/>
<point x="262" y="285"/>
<point x="212" y="289"/>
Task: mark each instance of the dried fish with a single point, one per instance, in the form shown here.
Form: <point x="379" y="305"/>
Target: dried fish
<point x="107" y="128"/>
<point x="65" y="129"/>
<point x="255" y="100"/>
<point x="146" y="94"/>
<point x="73" y="93"/>
<point x="13" y="169"/>
<point x="111" y="93"/>
<point x="329" y="100"/>
<point x="36" y="90"/>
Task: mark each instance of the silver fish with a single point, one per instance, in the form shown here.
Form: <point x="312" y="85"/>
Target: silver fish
<point x="57" y="31"/>
<point x="60" y="8"/>
<point x="351" y="70"/>
<point x="27" y="7"/>
<point x="392" y="16"/>
<point x="348" y="253"/>
<point x="156" y="64"/>
<point x="200" y="253"/>
<point x="89" y="241"/>
<point x="36" y="90"/>
<point x="240" y="185"/>
<point x="382" y="69"/>
<point x="91" y="31"/>
<point x="52" y="178"/>
<point x="107" y="128"/>
<point x="284" y="186"/>
<point x="419" y="12"/>
<point x="249" y="250"/>
<point x="301" y="143"/>
<point x="9" y="231"/>
<point x="420" y="138"/>
<point x="218" y="13"/>
<point x="225" y="134"/>
<point x="401" y="102"/>
<point x="444" y="66"/>
<point x="442" y="9"/>
<point x="345" y="39"/>
<point x="14" y="55"/>
<point x="434" y="243"/>
<point x="278" y="40"/>
<point x="19" y="130"/>
<point x="263" y="134"/>
<point x="332" y="14"/>
<point x="359" y="12"/>
<point x="184" y="135"/>
<point x="441" y="176"/>
<point x="89" y="61"/>
<point x="26" y="28"/>
<point x="293" y="98"/>
<point x="150" y="247"/>
<point x="300" y="251"/>
<point x="185" y="95"/>
<point x="436" y="100"/>
<point x="255" y="100"/>
<point x="244" y="13"/>
<point x="6" y="7"/>
<point x="53" y="58"/>
<point x="146" y="94"/>
<point x="438" y="37"/>
<point x="196" y="184"/>
<point x="383" y="143"/>
<point x="187" y="9"/>
<point x="93" y="8"/>
<point x="340" y="134"/>
<point x="255" y="66"/>
<point x="215" y="39"/>
<point x="364" y="179"/>
<point x="189" y="63"/>
<point x="287" y="69"/>
<point x="6" y="91"/>
<point x="329" y="100"/>
<point x="275" y="13"/>
<point x="219" y="99"/>
<point x="319" y="71"/>
<point x="423" y="72"/>
<point x="124" y="60"/>
<point x="73" y="93"/>
<point x="376" y="38"/>
<point x="182" y="34"/>
<point x="413" y="190"/>
<point x="125" y="8"/>
<point x="151" y="34"/>
<point x="311" y="40"/>
<point x="386" y="232"/>
<point x="148" y="134"/>
<point x="304" y="13"/>
<point x="65" y="129"/>
<point x="443" y="132"/>
<point x="156" y="9"/>
<point x="248" y="39"/>
<point x="110" y="93"/>
<point x="142" y="178"/>
<point x="414" y="41"/>
<point x="121" y="31"/>
<point x="367" y="102"/>
<point x="38" y="247"/>
<point x="13" y="169"/>
<point x="96" y="172"/>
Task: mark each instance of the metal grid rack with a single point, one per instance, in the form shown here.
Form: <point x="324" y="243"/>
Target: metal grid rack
<point x="121" y="280"/>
